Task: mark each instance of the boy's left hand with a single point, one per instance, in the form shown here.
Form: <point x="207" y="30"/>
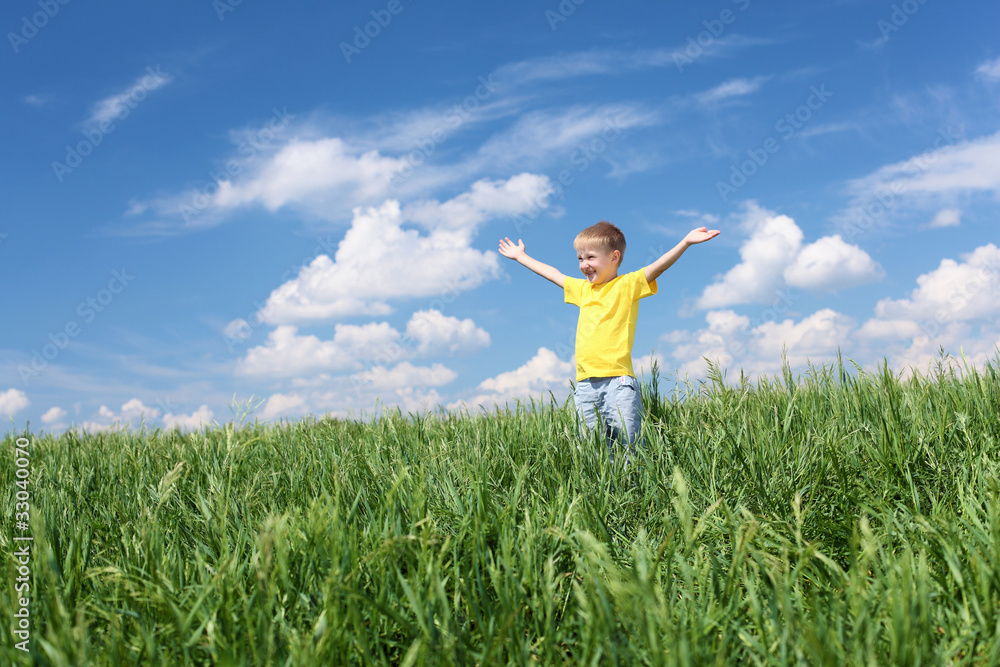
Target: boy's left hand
<point x="700" y="235"/>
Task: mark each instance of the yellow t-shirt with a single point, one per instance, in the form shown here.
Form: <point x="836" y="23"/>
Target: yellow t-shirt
<point x="606" y="328"/>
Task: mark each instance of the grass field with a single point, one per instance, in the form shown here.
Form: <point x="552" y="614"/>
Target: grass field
<point x="834" y="518"/>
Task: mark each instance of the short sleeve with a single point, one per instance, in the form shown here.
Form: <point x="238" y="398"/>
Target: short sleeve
<point x="641" y="288"/>
<point x="573" y="290"/>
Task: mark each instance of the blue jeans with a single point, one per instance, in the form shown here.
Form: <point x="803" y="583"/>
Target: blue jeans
<point x="615" y="402"/>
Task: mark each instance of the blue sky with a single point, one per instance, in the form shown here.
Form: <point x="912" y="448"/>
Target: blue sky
<point x="302" y="203"/>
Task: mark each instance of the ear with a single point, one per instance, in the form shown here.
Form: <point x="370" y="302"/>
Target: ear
<point x="616" y="257"/>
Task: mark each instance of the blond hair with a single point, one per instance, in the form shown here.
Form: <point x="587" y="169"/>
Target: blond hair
<point x="604" y="235"/>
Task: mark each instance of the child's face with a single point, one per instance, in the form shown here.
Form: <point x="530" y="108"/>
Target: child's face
<point x="598" y="265"/>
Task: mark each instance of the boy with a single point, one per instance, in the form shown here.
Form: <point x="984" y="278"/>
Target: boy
<point x="609" y="304"/>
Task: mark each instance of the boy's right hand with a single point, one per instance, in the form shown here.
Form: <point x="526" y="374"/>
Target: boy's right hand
<point x="509" y="250"/>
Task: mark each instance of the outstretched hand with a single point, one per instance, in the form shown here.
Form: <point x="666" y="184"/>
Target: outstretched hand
<point x="508" y="249"/>
<point x="700" y="235"/>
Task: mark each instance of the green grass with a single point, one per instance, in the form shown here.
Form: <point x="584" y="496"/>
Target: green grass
<point x="835" y="518"/>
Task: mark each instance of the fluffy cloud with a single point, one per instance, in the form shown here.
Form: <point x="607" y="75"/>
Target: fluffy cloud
<point x="379" y="260"/>
<point x="289" y="354"/>
<point x="53" y="415"/>
<point x="404" y="375"/>
<point x="436" y="333"/>
<point x="314" y="172"/>
<point x="134" y="409"/>
<point x="948" y="217"/>
<point x="203" y="416"/>
<point x="735" y="341"/>
<point x="133" y="412"/>
<point x="829" y="264"/>
<point x="955" y="291"/>
<point x="773" y="257"/>
<point x="815" y="338"/>
<point x="13" y="401"/>
<point x="956" y="306"/>
<point x="773" y="244"/>
<point x="284" y="405"/>
<point x="485" y="199"/>
<point x="542" y="373"/>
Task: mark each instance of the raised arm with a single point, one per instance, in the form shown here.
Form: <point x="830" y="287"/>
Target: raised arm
<point x="516" y="252"/>
<point x="699" y="235"/>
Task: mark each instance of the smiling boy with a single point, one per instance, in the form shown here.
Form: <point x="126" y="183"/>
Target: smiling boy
<point x="606" y="387"/>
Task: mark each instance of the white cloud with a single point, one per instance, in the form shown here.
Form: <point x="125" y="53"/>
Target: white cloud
<point x="956" y="306"/>
<point x="53" y="414"/>
<point x="955" y="291"/>
<point x="773" y="257"/>
<point x="990" y="69"/>
<point x="366" y="341"/>
<point x="699" y="217"/>
<point x="734" y="341"/>
<point x="13" y="401"/>
<point x="203" y="416"/>
<point x="773" y="244"/>
<point x="978" y="345"/>
<point x="320" y="172"/>
<point x="133" y="413"/>
<point x="608" y="61"/>
<point x="538" y="135"/>
<point x="944" y="174"/>
<point x="875" y="329"/>
<point x="379" y="260"/>
<point x="99" y="427"/>
<point x="948" y="217"/>
<point x="117" y="106"/>
<point x="403" y="375"/>
<point x="731" y="88"/>
<point x="542" y="373"/>
<point x="438" y="333"/>
<point x="718" y="342"/>
<point x="288" y="354"/>
<point x="815" y="338"/>
<point x="485" y="199"/>
<point x="832" y="264"/>
<point x="284" y="405"/>
<point x="134" y="409"/>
